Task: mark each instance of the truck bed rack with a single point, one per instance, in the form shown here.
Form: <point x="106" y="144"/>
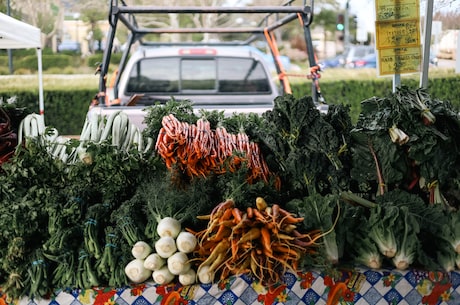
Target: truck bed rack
<point x="274" y="18"/>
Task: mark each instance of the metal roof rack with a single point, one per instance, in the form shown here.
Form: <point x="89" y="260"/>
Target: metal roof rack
<point x="128" y="14"/>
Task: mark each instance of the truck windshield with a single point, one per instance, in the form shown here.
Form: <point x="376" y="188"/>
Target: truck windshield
<point x="207" y="75"/>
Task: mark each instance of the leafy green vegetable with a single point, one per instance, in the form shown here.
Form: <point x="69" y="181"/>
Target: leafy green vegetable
<point x="438" y="227"/>
<point x="48" y="210"/>
<point x="408" y="242"/>
<point x="182" y="110"/>
<point x="382" y="223"/>
<point x="106" y="267"/>
<point x="62" y="267"/>
<point x="370" y="189"/>
<point x="159" y="198"/>
<point x="378" y="163"/>
<point x="450" y="230"/>
<point x="367" y="253"/>
<point x="424" y="162"/>
<point x="37" y="282"/>
<point x="447" y="260"/>
<point x="86" y="275"/>
<point x="334" y="218"/>
<point x="302" y="147"/>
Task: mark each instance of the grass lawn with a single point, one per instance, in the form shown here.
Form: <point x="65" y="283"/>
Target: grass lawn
<point x="91" y="81"/>
<point x="52" y="81"/>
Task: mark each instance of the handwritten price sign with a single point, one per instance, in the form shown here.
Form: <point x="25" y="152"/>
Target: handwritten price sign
<point x="396" y="34"/>
<point x="388" y="10"/>
<point x="397" y="28"/>
<point x="399" y="60"/>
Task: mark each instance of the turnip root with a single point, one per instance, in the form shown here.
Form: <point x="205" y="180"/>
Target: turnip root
<point x="162" y="276"/>
<point x="136" y="272"/>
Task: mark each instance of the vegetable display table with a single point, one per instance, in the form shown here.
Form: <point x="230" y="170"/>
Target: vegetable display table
<point x="357" y="286"/>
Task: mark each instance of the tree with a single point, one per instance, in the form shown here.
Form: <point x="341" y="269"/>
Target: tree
<point x="92" y="12"/>
<point x="47" y="15"/>
<point x="449" y="20"/>
<point x="187" y="20"/>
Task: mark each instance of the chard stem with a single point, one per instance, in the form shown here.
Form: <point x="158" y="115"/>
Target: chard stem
<point x="379" y="171"/>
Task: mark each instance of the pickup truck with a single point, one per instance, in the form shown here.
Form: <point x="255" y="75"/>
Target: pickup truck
<point x="229" y="76"/>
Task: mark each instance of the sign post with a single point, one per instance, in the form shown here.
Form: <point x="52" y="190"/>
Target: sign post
<point x="426" y="44"/>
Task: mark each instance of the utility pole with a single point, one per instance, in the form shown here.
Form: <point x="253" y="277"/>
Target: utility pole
<point x="346" y="37"/>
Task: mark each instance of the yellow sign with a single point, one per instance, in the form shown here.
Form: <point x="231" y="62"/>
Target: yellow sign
<point x="399" y="60"/>
<point x="397" y="34"/>
<point x="389" y="10"/>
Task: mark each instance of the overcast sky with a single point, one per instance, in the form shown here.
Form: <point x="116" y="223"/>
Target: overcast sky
<point x="365" y="10"/>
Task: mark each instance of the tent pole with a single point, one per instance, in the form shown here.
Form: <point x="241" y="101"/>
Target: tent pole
<point x="40" y="82"/>
<point x="10" y="54"/>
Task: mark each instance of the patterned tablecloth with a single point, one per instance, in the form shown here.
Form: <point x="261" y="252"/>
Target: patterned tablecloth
<point x="357" y="286"/>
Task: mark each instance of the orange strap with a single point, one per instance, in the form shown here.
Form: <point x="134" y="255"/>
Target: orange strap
<point x="274" y="48"/>
<point x="112" y="78"/>
<point x="300" y="19"/>
<point x="111" y="85"/>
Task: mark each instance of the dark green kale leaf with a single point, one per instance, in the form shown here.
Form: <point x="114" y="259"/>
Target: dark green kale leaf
<point x="303" y="147"/>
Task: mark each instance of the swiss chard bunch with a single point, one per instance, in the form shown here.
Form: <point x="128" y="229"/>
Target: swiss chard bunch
<point x="337" y="221"/>
<point x="378" y="163"/>
<point x="407" y="140"/>
<point x="401" y="226"/>
<point x="442" y="241"/>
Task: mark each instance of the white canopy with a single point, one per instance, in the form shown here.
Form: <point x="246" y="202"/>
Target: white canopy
<point x="15" y="34"/>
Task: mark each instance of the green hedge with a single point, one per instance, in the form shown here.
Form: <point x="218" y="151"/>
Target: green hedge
<point x="94" y="60"/>
<point x="66" y="110"/>
<point x="17" y="53"/>
<point x="48" y="61"/>
<point x="352" y="92"/>
<point x="28" y="61"/>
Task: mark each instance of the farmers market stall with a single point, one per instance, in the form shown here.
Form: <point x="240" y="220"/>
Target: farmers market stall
<point x="292" y="206"/>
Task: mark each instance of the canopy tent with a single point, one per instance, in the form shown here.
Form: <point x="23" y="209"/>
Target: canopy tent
<point x="15" y="34"/>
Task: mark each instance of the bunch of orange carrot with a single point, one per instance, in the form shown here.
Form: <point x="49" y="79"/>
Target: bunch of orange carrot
<point x="262" y="241"/>
<point x="198" y="150"/>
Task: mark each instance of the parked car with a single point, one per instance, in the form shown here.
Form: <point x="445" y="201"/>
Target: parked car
<point x="433" y="59"/>
<point x="368" y="61"/>
<point x="69" y="46"/>
<point x="332" y="62"/>
<point x="356" y="52"/>
<point x="98" y="46"/>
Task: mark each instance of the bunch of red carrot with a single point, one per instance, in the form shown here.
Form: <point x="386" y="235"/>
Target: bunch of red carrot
<point x="198" y="150"/>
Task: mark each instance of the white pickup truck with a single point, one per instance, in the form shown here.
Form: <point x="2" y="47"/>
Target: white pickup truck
<point x="230" y="76"/>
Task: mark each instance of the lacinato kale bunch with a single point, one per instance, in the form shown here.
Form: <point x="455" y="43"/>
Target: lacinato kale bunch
<point x="303" y="148"/>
